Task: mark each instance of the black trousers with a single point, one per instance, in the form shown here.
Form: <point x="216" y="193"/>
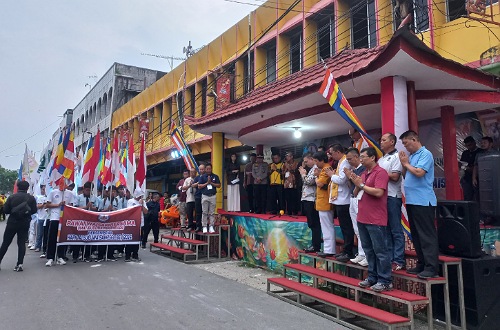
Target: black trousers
<point x="45" y="237"/>
<point x="85" y="249"/>
<point x="131" y="249"/>
<point x="190" y="214"/>
<point x="313" y="223"/>
<point x="52" y="241"/>
<point x="259" y="195"/>
<point x="291" y="201"/>
<point x="101" y="251"/>
<point x="249" y="190"/>
<point x="346" y="228"/>
<point x="275" y="198"/>
<point x="20" y="228"/>
<point x="198" y="211"/>
<point x="424" y="236"/>
<point x="148" y="226"/>
<point x="2" y="213"/>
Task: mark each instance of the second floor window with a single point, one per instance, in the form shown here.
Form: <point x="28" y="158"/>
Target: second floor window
<point x="363" y="25"/>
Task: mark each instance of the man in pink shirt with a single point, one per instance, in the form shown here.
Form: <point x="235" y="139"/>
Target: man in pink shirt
<point x="372" y="221"/>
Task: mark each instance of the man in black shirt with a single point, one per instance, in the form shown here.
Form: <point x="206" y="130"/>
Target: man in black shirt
<point x="469" y="156"/>
<point x="20" y="206"/>
<point x="151" y="220"/>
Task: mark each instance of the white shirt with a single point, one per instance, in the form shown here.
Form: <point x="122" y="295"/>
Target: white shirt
<point x="81" y="201"/>
<point x="344" y="195"/>
<point x="390" y="162"/>
<point x="133" y="202"/>
<point x="190" y="191"/>
<point x="41" y="213"/>
<point x="56" y="197"/>
<point x="119" y="203"/>
<point x="104" y="203"/>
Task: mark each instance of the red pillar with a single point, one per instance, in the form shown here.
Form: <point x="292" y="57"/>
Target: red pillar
<point x="387" y="105"/>
<point x="412" y="106"/>
<point x="259" y="149"/>
<point x="449" y="137"/>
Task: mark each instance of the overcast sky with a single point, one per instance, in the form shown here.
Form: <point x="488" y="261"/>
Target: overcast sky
<point x="50" y="49"/>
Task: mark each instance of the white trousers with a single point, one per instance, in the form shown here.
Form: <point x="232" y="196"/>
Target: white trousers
<point x="353" y="211"/>
<point x="32" y="232"/>
<point x="328" y="230"/>
<point x="233" y="197"/>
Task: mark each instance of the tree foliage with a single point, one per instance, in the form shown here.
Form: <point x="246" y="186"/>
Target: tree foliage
<point x="7" y="179"/>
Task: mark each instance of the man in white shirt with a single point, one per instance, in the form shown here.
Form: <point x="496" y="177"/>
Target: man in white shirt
<point x="132" y="250"/>
<point x="85" y="201"/>
<point x="190" y="201"/>
<point x="119" y="202"/>
<point x="55" y="200"/>
<point x="41" y="216"/>
<point x="391" y="163"/>
<point x="340" y="196"/>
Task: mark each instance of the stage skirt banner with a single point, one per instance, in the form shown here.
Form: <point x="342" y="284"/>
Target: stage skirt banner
<point x="80" y="227"/>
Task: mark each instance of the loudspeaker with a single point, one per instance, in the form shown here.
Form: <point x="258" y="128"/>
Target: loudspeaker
<point x="458" y="228"/>
<point x="481" y="294"/>
<point x="489" y="184"/>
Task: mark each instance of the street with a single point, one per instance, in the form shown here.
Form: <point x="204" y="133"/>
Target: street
<point x="155" y="293"/>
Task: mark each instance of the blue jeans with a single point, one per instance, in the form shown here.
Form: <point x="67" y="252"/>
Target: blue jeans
<point x="395" y="235"/>
<point x="376" y="252"/>
<point x="39" y="234"/>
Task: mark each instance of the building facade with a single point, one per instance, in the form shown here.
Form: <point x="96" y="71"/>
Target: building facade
<point x="115" y="88"/>
<point x="271" y="47"/>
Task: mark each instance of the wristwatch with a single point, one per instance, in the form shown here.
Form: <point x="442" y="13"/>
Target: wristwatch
<point x="361" y="186"/>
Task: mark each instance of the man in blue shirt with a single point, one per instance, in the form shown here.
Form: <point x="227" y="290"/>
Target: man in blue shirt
<point x="418" y="171"/>
<point x="208" y="184"/>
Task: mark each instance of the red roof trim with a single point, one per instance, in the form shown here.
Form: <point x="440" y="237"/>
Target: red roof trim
<point x="372" y="59"/>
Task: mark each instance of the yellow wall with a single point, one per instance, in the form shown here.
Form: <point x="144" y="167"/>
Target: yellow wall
<point x="461" y="40"/>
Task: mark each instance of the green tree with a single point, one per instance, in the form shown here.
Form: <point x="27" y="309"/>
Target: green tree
<point x="7" y="179"/>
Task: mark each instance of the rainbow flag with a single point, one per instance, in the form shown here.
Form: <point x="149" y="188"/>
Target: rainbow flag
<point x="337" y="100"/>
<point x="181" y="146"/>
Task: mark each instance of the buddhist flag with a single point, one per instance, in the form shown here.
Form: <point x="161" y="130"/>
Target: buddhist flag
<point x="67" y="166"/>
<point x="140" y="174"/>
<point x="180" y="145"/>
<point x="337" y="100"/>
<point x="107" y="175"/>
<point x="88" y="166"/>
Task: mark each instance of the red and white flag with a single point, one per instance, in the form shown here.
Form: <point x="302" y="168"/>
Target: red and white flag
<point x="140" y="174"/>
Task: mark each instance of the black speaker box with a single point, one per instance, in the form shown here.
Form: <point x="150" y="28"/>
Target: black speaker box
<point x="458" y="228"/>
<point x="481" y="278"/>
<point x="489" y="184"/>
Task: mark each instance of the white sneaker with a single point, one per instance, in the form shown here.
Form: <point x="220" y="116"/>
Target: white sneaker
<point x="120" y="255"/>
<point x="60" y="261"/>
<point x="363" y="263"/>
<point x="357" y="259"/>
<point x="32" y="247"/>
<point x="49" y="263"/>
<point x="211" y="229"/>
<point x="205" y="229"/>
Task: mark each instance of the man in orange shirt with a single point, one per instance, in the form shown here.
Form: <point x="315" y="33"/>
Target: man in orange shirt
<point x="323" y="205"/>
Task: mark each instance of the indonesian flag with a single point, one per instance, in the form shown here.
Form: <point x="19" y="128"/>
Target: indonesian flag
<point x="115" y="160"/>
<point x="130" y="164"/>
<point x="140" y="174"/>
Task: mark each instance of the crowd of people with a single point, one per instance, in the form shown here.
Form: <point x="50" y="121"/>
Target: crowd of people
<point x="35" y="219"/>
<point x="364" y="193"/>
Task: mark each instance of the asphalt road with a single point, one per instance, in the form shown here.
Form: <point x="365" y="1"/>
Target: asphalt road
<point x="155" y="293"/>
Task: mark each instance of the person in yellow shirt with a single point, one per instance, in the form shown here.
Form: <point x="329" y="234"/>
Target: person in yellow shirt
<point x="3" y="198"/>
<point x="276" y="184"/>
<point x="323" y="205"/>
